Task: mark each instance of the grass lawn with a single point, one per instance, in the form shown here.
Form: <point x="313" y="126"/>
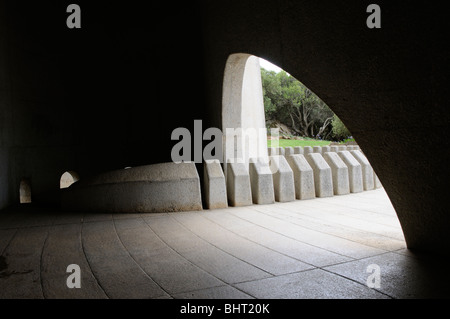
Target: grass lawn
<point x="309" y="142"/>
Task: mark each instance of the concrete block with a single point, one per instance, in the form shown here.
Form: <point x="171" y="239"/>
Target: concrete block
<point x="323" y="179"/>
<point x="298" y="150"/>
<point x="280" y="151"/>
<point x="342" y="148"/>
<point x="261" y="181"/>
<point x="283" y="179"/>
<point x="354" y="171"/>
<point x="271" y="151"/>
<point x="307" y="150"/>
<point x="334" y="148"/>
<point x="376" y="181"/>
<point x="325" y="149"/>
<point x="164" y="187"/>
<point x="215" y="188"/>
<point x="367" y="170"/>
<point x="317" y="149"/>
<point x="303" y="176"/>
<point x="339" y="172"/>
<point x="288" y="151"/>
<point x="238" y="185"/>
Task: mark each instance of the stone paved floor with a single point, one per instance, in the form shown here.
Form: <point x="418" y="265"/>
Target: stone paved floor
<point x="317" y="248"/>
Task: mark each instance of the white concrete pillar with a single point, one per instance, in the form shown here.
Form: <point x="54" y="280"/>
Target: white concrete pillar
<point x="238" y="185"/>
<point x="339" y="172"/>
<point x="334" y="148"/>
<point x="367" y="171"/>
<point x="215" y="188"/>
<point x="280" y="151"/>
<point x="283" y="179"/>
<point x="243" y="118"/>
<point x="303" y="176"/>
<point x="298" y="150"/>
<point x="272" y="151"/>
<point x="307" y="150"/>
<point x="261" y="181"/>
<point x="354" y="171"/>
<point x="376" y="181"/>
<point x="325" y="149"/>
<point x="288" y="151"/>
<point x="323" y="179"/>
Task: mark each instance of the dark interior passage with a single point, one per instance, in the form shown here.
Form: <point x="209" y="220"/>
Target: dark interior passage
<point x="108" y="95"/>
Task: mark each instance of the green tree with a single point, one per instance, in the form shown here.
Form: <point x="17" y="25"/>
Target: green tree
<point x="340" y="131"/>
<point x="271" y="89"/>
<point x="290" y="102"/>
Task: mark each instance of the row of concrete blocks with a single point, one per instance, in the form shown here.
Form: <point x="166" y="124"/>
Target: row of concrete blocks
<point x="310" y="149"/>
<point x="286" y="178"/>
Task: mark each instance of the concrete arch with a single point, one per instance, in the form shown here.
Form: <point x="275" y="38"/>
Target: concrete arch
<point x="243" y="119"/>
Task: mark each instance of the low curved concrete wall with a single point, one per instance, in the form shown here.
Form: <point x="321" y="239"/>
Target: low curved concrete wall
<point x="165" y="187"/>
<point x="171" y="187"/>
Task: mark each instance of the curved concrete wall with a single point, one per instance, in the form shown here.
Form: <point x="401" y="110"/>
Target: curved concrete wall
<point x="165" y="187"/>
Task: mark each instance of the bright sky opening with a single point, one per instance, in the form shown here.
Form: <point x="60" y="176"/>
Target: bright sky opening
<point x="268" y="66"/>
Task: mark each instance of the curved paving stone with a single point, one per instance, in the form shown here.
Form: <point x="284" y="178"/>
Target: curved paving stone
<point x="309" y="285"/>
<point x="5" y="237"/>
<point x="222" y="292"/>
<point x="343" y="227"/>
<point x="62" y="248"/>
<point x="364" y="203"/>
<point x="401" y="276"/>
<point x="117" y="273"/>
<point x="21" y="277"/>
<point x="174" y="273"/>
<point x="319" y="239"/>
<point x="243" y="249"/>
<point x="203" y="254"/>
<point x="26" y="217"/>
<point x="380" y="225"/>
<point x="290" y="247"/>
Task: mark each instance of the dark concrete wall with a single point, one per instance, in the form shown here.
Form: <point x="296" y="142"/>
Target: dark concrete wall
<point x="108" y="96"/>
<point x="103" y="97"/>
<point x="5" y="115"/>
